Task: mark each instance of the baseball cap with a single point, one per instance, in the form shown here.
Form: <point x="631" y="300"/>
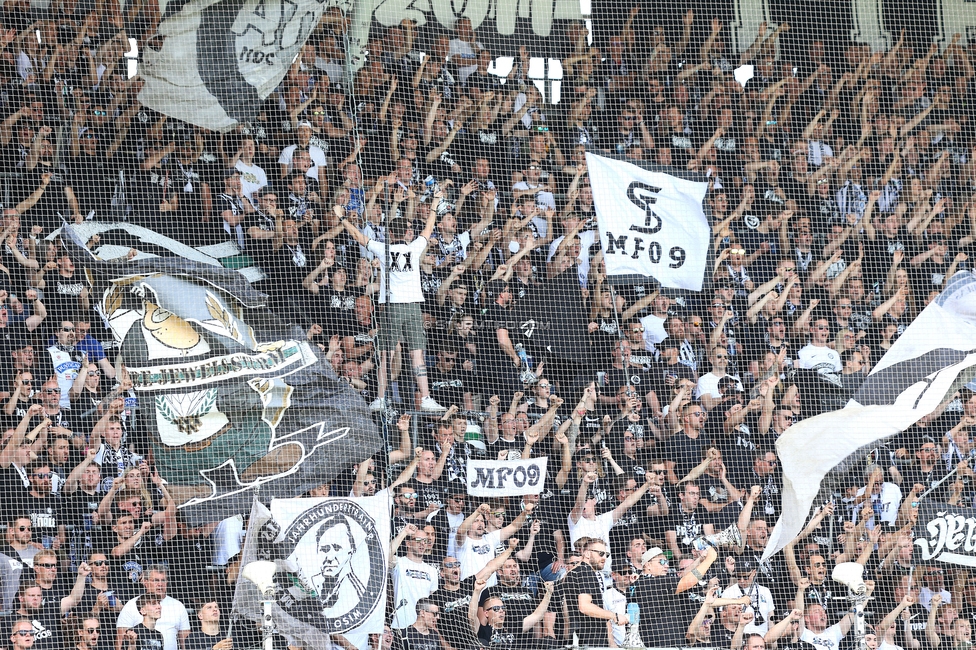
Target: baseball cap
<point x="651" y="553"/>
<point x="304" y="123"/>
<point x="744" y="567"/>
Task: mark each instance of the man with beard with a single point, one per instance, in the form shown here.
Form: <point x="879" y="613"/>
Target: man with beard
<point x="584" y="592"/>
<point x="454" y="595"/>
<point x="494" y="632"/>
<point x="66" y="361"/>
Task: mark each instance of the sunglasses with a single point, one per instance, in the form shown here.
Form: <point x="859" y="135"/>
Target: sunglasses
<point x="94" y="374"/>
<point x="318" y="112"/>
<point x="601" y="553"/>
<point x="737" y="251"/>
<point x="92" y="630"/>
<point x="410" y="495"/>
<point x="23" y="528"/>
<point x="100" y="113"/>
<point x="496" y="608"/>
<point x="663" y="561"/>
<point x="42" y="475"/>
<point x="52" y="391"/>
<point x="24" y="632"/>
<point x="98" y="562"/>
<point x="434" y="614"/>
<point x="46" y="565"/>
<point x="637" y="329"/>
<point x="452" y="565"/>
<point x="67" y="329"/>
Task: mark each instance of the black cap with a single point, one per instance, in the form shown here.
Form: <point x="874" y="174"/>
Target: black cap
<point x="744" y="567"/>
<point x="231" y="171"/>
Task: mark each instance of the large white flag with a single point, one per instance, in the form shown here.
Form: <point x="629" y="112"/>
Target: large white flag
<point x="217" y="60"/>
<point x="332" y="566"/>
<point x="934" y="357"/>
<point x="651" y="222"/>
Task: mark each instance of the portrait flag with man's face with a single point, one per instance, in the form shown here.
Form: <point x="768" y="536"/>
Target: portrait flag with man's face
<point x="331" y="559"/>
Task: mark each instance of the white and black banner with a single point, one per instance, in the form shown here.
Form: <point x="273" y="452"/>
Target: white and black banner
<point x="652" y="223"/>
<point x="331" y="555"/>
<point x="946" y="533"/>
<point x="934" y="357"/>
<point x="218" y="60"/>
<point x="504" y="478"/>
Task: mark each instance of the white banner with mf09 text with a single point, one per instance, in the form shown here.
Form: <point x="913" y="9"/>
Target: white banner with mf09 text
<point x="651" y="220"/>
<point x="505" y="478"/>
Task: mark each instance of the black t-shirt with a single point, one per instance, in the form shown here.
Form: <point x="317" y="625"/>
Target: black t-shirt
<point x="147" y="639"/>
<point x="686" y="452"/>
<point x="584" y="580"/>
<point x="415" y="640"/>
<point x="47" y="631"/>
<point x="687" y="525"/>
<point x="498" y="637"/>
<point x="453" y="623"/>
<point x="200" y="641"/>
<point x="518" y="601"/>
<point x="45" y="516"/>
<point x="659" y="627"/>
<point x="15" y="487"/>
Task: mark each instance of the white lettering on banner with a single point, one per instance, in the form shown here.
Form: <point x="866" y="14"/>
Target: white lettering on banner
<point x="956" y="17"/>
<point x="506" y="477"/>
<point x="948" y="532"/>
<point x="542" y="13"/>
<point x="749" y="14"/>
<point x="868" y="16"/>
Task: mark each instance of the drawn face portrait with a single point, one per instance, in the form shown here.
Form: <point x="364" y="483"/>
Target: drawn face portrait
<point x="334" y="550"/>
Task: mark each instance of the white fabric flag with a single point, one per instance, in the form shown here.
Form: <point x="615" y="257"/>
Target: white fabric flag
<point x="651" y="222"/>
<point x="500" y="478"/>
<point x="934" y="356"/>
<point x="219" y="60"/>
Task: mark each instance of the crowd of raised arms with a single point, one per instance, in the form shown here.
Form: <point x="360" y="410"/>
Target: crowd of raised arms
<point x="842" y="195"/>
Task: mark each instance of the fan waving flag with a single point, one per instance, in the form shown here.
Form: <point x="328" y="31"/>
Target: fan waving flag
<point x="651" y="221"/>
<point x="912" y="379"/>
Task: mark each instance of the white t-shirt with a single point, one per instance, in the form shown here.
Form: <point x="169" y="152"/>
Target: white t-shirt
<point x="253" y="179"/>
<point x="586" y="238"/>
<point x="454" y="522"/>
<point x="654" y="331"/>
<point x="616" y="602"/>
<point x="760" y="623"/>
<point x="315" y="153"/>
<point x="404" y="272"/>
<point x="543" y="199"/>
<point x="598" y="528"/>
<point x="811" y="356"/>
<point x="228" y="539"/>
<point x="173" y="620"/>
<point x="889" y="501"/>
<point x="708" y="384"/>
<point x="464" y="56"/>
<point x="829" y="639"/>
<point x="475" y="554"/>
<point x="411" y="582"/>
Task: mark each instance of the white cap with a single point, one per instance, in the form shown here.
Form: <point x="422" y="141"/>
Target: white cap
<point x="651" y="553"/>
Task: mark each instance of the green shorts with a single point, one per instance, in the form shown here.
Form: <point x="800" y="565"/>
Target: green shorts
<point x="402" y="322"/>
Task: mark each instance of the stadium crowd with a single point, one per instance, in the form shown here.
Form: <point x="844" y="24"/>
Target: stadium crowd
<point x="841" y="199"/>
